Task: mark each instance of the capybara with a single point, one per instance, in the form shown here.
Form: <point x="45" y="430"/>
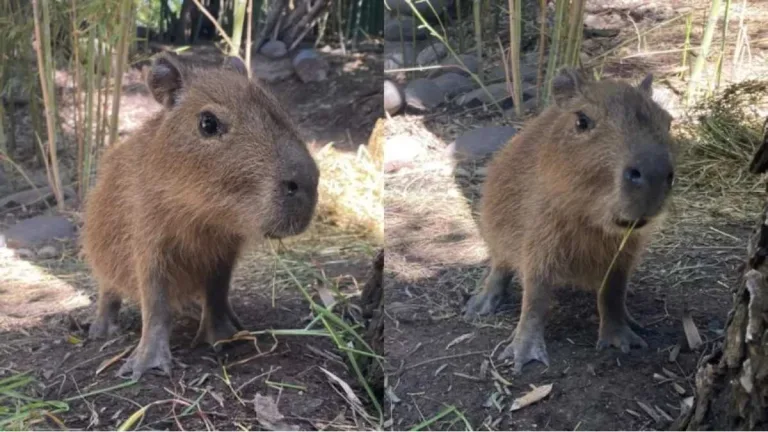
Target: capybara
<point x="174" y="205"/>
<point x="560" y="197"/>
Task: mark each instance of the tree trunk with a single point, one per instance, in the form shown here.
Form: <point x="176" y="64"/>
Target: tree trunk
<point x="732" y="383"/>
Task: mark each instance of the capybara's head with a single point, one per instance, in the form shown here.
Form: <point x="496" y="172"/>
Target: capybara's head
<point x="611" y="156"/>
<point x="232" y="153"/>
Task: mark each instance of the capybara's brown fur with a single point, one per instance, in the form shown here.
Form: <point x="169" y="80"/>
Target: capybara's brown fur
<point x="174" y="205"/>
<point x="559" y="199"/>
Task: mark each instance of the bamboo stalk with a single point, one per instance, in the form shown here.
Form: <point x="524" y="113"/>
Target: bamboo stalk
<point x="542" y="48"/>
<point x="248" y="38"/>
<point x="477" y="15"/>
<point x="237" y="31"/>
<point x="45" y="66"/>
<point x="122" y="48"/>
<point x="723" y="38"/>
<point x="515" y="32"/>
<point x="706" y="43"/>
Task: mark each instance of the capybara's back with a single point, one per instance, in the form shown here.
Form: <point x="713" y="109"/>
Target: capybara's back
<point x="174" y="205"/>
<point x="561" y="196"/>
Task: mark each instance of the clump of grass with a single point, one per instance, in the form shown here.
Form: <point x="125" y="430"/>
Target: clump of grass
<point x="19" y="411"/>
<point x="350" y="190"/>
<point x="722" y="135"/>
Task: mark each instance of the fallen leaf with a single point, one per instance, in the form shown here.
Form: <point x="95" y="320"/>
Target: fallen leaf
<point x="650" y="411"/>
<point x="266" y="409"/>
<point x="326" y="296"/>
<point x="674" y="353"/>
<point x="110" y="361"/>
<point x="460" y="339"/>
<point x="691" y="332"/>
<point x="678" y="388"/>
<point x="391" y="395"/>
<point x="533" y="396"/>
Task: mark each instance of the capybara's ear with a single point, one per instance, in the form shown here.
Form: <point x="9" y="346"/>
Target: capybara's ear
<point x="166" y="79"/>
<point x="647" y="84"/>
<point x="236" y="64"/>
<point x="567" y="84"/>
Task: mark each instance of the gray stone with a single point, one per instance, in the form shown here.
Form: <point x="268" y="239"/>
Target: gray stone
<point x="498" y="92"/>
<point x="310" y="66"/>
<point x="452" y="83"/>
<point x="393" y="97"/>
<point x="271" y="70"/>
<point x="32" y="197"/>
<point x="479" y="143"/>
<point x="47" y="252"/>
<point x="25" y="253"/>
<point x="432" y="54"/>
<point x="425" y="7"/>
<point x="423" y="94"/>
<point x="274" y="49"/>
<point x="408" y="27"/>
<point x="451" y="64"/>
<point x="38" y="230"/>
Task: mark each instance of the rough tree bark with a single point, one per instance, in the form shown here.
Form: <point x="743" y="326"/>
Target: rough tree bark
<point x="732" y="383"/>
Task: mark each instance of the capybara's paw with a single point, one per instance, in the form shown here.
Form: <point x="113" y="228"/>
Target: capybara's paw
<point x="214" y="330"/>
<point x="620" y="336"/>
<point x="155" y="358"/>
<point x="525" y="348"/>
<point x="482" y="303"/>
<point x="102" y="329"/>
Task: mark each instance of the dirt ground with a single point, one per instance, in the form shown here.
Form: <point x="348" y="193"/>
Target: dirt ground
<point x="443" y="370"/>
<point x="49" y="303"/>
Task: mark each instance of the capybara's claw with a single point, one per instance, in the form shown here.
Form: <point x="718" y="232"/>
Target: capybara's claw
<point x="620" y="336"/>
<point x="481" y="304"/>
<point x="102" y="329"/>
<point x="525" y="349"/>
<point x="146" y="360"/>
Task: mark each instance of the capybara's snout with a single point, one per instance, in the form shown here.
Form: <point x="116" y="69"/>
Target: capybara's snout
<point x="646" y="180"/>
<point x="296" y="192"/>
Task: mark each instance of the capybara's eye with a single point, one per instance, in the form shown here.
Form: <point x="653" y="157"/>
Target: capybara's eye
<point x="209" y="124"/>
<point x="583" y="122"/>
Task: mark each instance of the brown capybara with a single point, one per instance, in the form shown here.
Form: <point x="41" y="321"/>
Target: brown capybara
<point x="174" y="205"/>
<point x="560" y="197"/>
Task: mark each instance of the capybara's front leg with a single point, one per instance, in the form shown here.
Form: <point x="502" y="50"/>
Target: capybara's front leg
<point x="154" y="351"/>
<point x="218" y="321"/>
<point x="616" y="326"/>
<point x="528" y="338"/>
<point x="105" y="324"/>
<point x="495" y="287"/>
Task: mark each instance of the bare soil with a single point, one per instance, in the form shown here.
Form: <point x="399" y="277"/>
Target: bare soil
<point x="442" y="370"/>
<point x="54" y="301"/>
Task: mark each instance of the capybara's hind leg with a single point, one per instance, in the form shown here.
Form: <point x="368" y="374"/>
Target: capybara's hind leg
<point x="105" y="323"/>
<point x="528" y="338"/>
<point x="616" y="326"/>
<point x="495" y="288"/>
<point x="218" y="320"/>
<point x="154" y="351"/>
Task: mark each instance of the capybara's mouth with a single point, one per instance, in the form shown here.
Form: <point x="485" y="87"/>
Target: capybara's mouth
<point x="626" y="224"/>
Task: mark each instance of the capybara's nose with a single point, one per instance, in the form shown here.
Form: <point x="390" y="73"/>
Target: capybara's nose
<point x="290" y="188"/>
<point x="653" y="175"/>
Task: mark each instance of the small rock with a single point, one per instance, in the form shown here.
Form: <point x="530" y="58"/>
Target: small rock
<point x="274" y="49"/>
<point x="498" y="92"/>
<point x="452" y="83"/>
<point x="393" y="97"/>
<point x="431" y="54"/>
<point x="47" y="252"/>
<point x="424" y="7"/>
<point x="423" y="94"/>
<point x="270" y="70"/>
<point x="403" y="29"/>
<point x="25" y="253"/>
<point x="39" y="229"/>
<point x="310" y="67"/>
<point x="479" y="143"/>
<point x="451" y="64"/>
